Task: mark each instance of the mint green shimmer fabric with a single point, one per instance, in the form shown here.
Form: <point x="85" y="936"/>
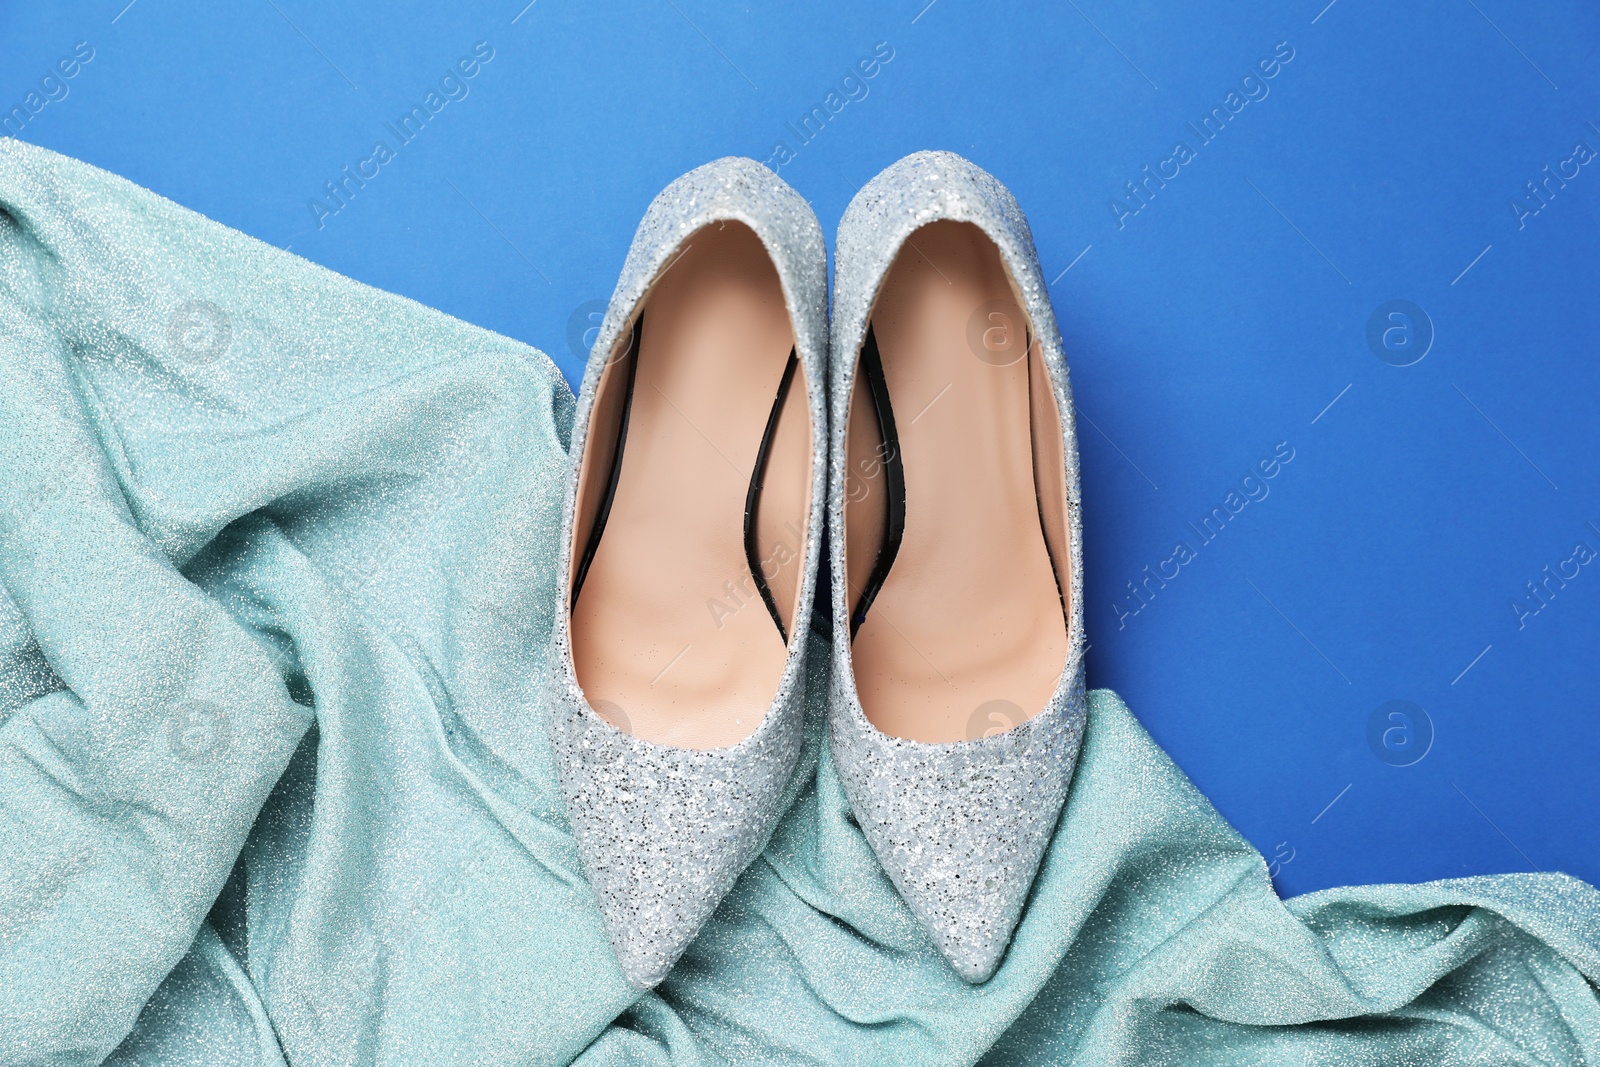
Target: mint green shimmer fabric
<point x="276" y="552"/>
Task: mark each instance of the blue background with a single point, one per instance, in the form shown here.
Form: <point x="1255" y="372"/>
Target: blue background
<point x="1221" y="319"/>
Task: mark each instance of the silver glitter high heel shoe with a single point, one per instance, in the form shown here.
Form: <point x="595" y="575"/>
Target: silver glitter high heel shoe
<point x="676" y="691"/>
<point x="957" y="697"/>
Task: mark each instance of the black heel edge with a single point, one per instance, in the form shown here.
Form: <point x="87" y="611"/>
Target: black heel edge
<point x="752" y="498"/>
<point x="871" y="368"/>
<point x="603" y="513"/>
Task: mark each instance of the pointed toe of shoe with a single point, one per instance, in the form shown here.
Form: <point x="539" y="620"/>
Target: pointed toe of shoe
<point x="961" y="829"/>
<point x="647" y="941"/>
<point x="974" y="960"/>
<point x="663" y="833"/>
<point x="972" y="930"/>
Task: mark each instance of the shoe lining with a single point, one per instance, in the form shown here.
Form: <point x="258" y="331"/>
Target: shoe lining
<point x="695" y="492"/>
<point x="967" y="632"/>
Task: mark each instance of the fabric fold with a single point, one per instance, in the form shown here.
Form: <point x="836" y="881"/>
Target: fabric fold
<point x="276" y="552"/>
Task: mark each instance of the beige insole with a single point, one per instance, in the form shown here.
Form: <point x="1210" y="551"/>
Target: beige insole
<point x="671" y="639"/>
<point x="967" y="636"/>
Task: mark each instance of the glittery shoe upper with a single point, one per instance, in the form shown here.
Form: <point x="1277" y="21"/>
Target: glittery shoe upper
<point x="664" y="832"/>
<point x="960" y="828"/>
